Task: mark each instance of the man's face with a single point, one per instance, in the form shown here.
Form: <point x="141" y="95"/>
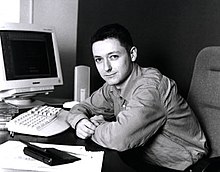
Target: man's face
<point x="113" y="62"/>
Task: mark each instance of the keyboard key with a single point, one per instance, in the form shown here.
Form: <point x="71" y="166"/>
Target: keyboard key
<point x="37" y="117"/>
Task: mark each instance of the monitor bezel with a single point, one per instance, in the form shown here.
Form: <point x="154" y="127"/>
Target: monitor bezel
<point x="19" y="84"/>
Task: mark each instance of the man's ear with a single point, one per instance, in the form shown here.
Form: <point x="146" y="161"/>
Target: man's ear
<point x="133" y="53"/>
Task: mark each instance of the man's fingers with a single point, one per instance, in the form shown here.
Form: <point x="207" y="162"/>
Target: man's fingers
<point x="85" y="129"/>
<point x="97" y="119"/>
<point x="89" y="125"/>
<point x="82" y="134"/>
<point x="96" y="123"/>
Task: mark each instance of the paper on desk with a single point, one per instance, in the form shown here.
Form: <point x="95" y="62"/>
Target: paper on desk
<point x="12" y="157"/>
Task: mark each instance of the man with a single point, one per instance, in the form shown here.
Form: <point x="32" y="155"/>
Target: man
<point x="137" y="107"/>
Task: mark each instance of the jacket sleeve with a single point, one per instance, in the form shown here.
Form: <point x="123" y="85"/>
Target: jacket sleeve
<point x="142" y="117"/>
<point x="97" y="104"/>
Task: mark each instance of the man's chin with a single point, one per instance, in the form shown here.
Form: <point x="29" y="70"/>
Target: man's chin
<point x="111" y="82"/>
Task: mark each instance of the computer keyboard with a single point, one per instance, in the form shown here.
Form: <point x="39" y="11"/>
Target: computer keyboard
<point x="38" y="119"/>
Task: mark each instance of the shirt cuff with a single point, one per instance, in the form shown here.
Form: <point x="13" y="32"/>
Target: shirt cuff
<point x="73" y="119"/>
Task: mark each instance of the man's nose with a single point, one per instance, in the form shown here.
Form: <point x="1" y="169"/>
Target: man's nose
<point x="107" y="65"/>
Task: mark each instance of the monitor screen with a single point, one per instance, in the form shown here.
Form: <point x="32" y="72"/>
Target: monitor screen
<point x="28" y="55"/>
<point x="29" y="60"/>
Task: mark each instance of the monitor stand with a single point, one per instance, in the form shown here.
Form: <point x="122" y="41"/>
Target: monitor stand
<point x="24" y="102"/>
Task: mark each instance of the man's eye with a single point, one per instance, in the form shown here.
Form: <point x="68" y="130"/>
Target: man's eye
<point x="98" y="60"/>
<point x="114" y="57"/>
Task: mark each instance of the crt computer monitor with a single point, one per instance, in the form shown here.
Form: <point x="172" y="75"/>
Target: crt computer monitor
<point x="29" y="62"/>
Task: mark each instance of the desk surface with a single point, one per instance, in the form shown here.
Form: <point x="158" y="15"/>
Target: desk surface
<point x="111" y="162"/>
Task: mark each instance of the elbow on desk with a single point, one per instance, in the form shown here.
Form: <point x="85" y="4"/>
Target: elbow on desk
<point x="108" y="136"/>
<point x="118" y="144"/>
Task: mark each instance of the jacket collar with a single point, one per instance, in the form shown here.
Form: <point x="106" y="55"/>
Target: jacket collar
<point x="124" y="89"/>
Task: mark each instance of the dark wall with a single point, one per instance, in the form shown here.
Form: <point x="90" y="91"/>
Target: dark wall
<point x="168" y="33"/>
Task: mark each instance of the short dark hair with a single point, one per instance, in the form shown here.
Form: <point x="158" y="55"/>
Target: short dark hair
<point x="116" y="31"/>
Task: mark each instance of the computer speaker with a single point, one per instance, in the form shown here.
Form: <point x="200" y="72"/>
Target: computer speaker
<point x="81" y="83"/>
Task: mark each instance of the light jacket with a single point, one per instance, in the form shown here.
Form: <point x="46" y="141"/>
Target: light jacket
<point x="145" y="107"/>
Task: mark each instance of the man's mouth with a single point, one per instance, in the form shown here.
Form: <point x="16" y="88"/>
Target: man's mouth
<point x="110" y="75"/>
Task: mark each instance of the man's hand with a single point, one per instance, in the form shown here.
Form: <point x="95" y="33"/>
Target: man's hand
<point x="85" y="128"/>
<point x="97" y="120"/>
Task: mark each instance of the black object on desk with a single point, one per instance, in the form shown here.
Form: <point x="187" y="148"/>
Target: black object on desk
<point x="111" y="159"/>
<point x="50" y="156"/>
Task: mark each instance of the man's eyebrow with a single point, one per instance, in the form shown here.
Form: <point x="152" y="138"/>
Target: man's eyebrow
<point x="96" y="56"/>
<point x="113" y="52"/>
